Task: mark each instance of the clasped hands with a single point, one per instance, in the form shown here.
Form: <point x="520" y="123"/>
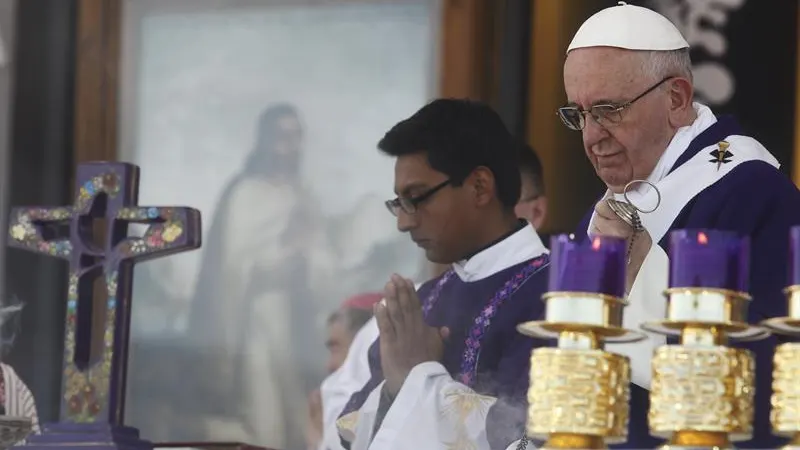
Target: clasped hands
<point x="405" y="339"/>
<point x="607" y="223"/>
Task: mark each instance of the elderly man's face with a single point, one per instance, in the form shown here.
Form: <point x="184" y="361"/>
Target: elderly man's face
<point x="630" y="149"/>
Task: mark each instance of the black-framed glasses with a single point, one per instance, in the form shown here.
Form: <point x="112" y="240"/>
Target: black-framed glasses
<point x="605" y="115"/>
<point x="410" y="204"/>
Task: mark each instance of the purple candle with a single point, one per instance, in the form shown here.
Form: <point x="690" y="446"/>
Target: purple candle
<point x="794" y="256"/>
<point x="595" y="265"/>
<point x="709" y="259"/>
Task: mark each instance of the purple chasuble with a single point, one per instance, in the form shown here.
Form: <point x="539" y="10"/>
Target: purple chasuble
<point x="484" y="351"/>
<point x="757" y="200"/>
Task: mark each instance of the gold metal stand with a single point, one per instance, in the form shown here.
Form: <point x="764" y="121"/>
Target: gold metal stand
<point x="785" y="414"/>
<point x="702" y="392"/>
<point x="579" y="394"/>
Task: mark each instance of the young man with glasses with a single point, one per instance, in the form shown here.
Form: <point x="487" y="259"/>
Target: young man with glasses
<point x="454" y="341"/>
<point x="628" y="80"/>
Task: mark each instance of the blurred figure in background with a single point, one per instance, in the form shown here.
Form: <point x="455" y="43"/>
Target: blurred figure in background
<point x="354" y="317"/>
<point x="343" y="325"/>
<point x="532" y="204"/>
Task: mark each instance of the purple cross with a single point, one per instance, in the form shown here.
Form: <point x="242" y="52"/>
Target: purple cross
<point x="98" y="320"/>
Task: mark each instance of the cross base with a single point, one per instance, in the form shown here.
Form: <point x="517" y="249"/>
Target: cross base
<point x="86" y="437"/>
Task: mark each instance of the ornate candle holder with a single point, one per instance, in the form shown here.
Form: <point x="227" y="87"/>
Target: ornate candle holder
<point x="579" y="393"/>
<point x="785" y="414"/>
<point x="702" y="391"/>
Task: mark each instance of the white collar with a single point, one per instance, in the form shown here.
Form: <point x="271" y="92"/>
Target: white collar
<point x="521" y="246"/>
<point x="679" y="143"/>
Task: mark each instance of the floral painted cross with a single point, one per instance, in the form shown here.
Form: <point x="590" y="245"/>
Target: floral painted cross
<point x="98" y="322"/>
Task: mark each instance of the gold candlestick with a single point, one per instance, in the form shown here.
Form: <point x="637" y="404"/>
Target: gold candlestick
<point x="785" y="414"/>
<point x="701" y="394"/>
<point x="579" y="393"/>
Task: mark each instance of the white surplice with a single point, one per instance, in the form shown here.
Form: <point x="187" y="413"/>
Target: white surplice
<point x="646" y="302"/>
<point x="432" y="411"/>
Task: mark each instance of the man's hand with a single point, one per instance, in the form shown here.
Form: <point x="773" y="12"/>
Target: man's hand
<point x="607" y="223"/>
<point x="405" y="339"/>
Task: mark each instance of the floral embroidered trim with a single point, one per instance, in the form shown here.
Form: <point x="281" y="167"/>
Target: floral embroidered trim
<point x="3" y="410"/>
<point x="469" y="360"/>
<point x="433" y="296"/>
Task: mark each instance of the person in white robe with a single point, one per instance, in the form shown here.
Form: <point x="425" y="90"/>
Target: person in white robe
<point x="347" y="379"/>
<point x="629" y="89"/>
<point x="343" y="326"/>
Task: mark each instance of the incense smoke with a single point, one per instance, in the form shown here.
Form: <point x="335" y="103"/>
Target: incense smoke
<point x="10" y="322"/>
<point x="505" y="423"/>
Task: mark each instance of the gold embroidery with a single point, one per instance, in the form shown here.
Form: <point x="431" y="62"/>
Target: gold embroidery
<point x="462" y="402"/>
<point x="347" y="426"/>
<point x="461" y="405"/>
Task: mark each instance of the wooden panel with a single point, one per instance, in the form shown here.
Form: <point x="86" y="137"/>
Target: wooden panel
<point x="546" y="94"/>
<point x="96" y="80"/>
<point x="561" y="150"/>
<point x="39" y="171"/>
<point x="465" y="43"/>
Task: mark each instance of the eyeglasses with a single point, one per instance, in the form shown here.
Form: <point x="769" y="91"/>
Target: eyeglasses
<point x="410" y="204"/>
<point x="605" y="114"/>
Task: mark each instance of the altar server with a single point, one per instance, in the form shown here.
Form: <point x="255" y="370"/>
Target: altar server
<point x="351" y="329"/>
<point x="628" y="83"/>
<point x="532" y="204"/>
<point x="449" y="369"/>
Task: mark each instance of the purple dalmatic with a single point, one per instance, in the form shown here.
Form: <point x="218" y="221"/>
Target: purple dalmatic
<point x="95" y="365"/>
<point x="754" y="199"/>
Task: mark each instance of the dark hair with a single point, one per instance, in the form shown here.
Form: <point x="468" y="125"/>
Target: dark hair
<point x="459" y="136"/>
<point x="262" y="159"/>
<point x="353" y="318"/>
<point x="531" y="166"/>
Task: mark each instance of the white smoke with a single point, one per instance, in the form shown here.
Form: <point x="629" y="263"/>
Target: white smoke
<point x="10" y="322"/>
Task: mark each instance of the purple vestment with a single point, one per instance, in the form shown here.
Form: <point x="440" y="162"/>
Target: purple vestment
<point x="757" y="200"/>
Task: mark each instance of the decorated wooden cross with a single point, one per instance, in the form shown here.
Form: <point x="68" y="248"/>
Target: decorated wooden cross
<point x="98" y="326"/>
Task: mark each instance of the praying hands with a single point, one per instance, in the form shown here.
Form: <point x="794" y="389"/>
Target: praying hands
<point x="405" y="339"/>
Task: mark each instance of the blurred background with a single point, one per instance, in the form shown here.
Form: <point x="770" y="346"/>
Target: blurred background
<point x="228" y="341"/>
